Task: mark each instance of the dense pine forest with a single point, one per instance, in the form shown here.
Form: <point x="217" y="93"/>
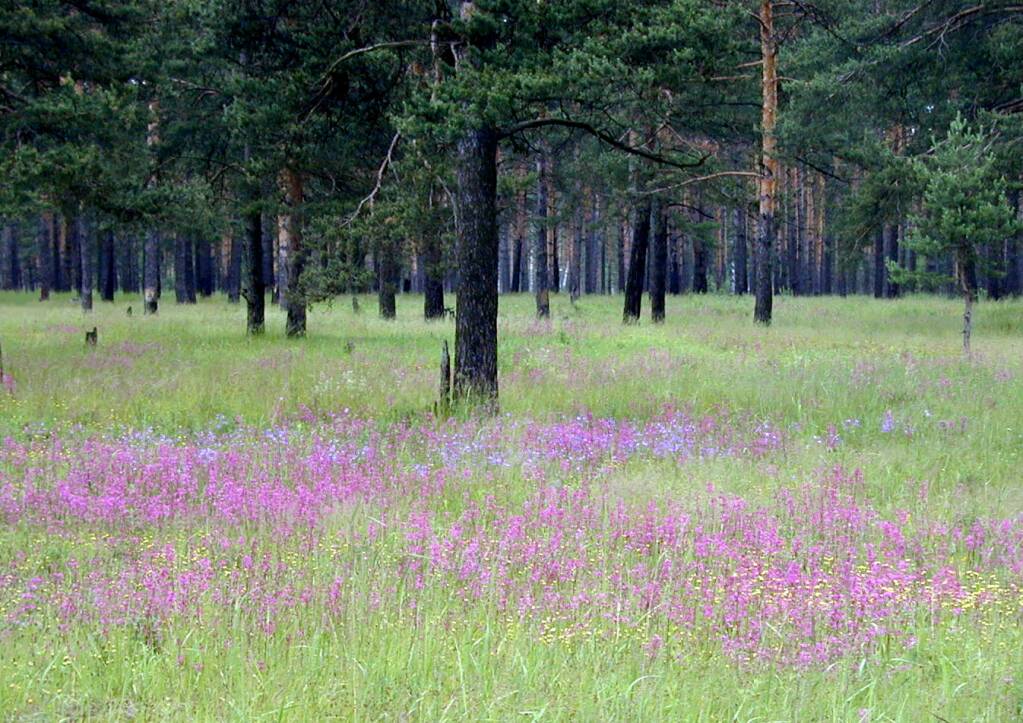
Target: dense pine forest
<point x="511" y="359"/>
<point x="312" y="149"/>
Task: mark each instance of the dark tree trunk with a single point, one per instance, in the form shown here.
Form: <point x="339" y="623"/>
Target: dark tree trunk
<point x="234" y="269"/>
<point x="516" y="269"/>
<point x="44" y="257"/>
<point x="659" y="262"/>
<point x="180" y="294"/>
<point x="769" y="165"/>
<point x="476" y="319"/>
<point x="58" y="277"/>
<point x="267" y="236"/>
<point x="620" y="260"/>
<point x="66" y="255"/>
<point x="10" y="266"/>
<point x="294" y="302"/>
<point x="880" y="274"/>
<point x="674" y="265"/>
<point x="72" y="242"/>
<point x="433" y="279"/>
<point x="108" y="267"/>
<point x="765" y="245"/>
<point x="504" y="259"/>
<point x="388" y="277"/>
<point x="792" y="241"/>
<point x="637" y="263"/>
<point x="203" y="266"/>
<point x="593" y="267"/>
<point x="189" y="268"/>
<point x="540" y="272"/>
<point x="890" y="251"/>
<point x="995" y="269"/>
<point x="255" y="287"/>
<point x="554" y="268"/>
<point x="128" y="275"/>
<point x="86" y="233"/>
<point x="151" y="272"/>
<point x="575" y="256"/>
<point x="700" y="253"/>
<point x="1014" y="252"/>
<point x="968" y="284"/>
<point x="739" y="252"/>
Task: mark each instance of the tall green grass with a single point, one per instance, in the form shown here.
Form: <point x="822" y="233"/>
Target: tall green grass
<point x="825" y="362"/>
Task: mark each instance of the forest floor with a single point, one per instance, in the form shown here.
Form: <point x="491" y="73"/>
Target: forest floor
<point x="701" y="520"/>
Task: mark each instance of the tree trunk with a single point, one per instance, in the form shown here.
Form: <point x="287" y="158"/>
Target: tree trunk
<point x="85" y="238"/>
<point x="476" y="319"/>
<point x="659" y="262"/>
<point x="739" y="252"/>
<point x="388" y="271"/>
<point x="575" y="260"/>
<point x="878" y="266"/>
<point x="541" y="277"/>
<point x="203" y="267"/>
<point x="433" y="279"/>
<point x="44" y="257"/>
<point x="1014" y="251"/>
<point x="108" y="254"/>
<point x="180" y="294"/>
<point x="700" y="253"/>
<point x="890" y="252"/>
<point x="968" y="283"/>
<point x="9" y="271"/>
<point x="58" y="274"/>
<point x="255" y="286"/>
<point x="592" y="268"/>
<point x="769" y="165"/>
<point x="267" y="235"/>
<point x="151" y="272"/>
<point x="637" y="263"/>
<point x="293" y="301"/>
<point x="234" y="268"/>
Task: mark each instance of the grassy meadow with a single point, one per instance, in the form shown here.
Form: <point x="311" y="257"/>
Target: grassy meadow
<point x="700" y="520"/>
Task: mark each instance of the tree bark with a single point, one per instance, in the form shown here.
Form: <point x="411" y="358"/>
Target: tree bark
<point x="267" y="235"/>
<point x="769" y="166"/>
<point x="433" y="279"/>
<point x="1014" y="252"/>
<point x="739" y="252"/>
<point x="86" y="232"/>
<point x="108" y="274"/>
<point x="659" y="262"/>
<point x="293" y="301"/>
<point x="475" y="375"/>
<point x="637" y="263"/>
<point x="180" y="294"/>
<point x="234" y="268"/>
<point x="968" y="284"/>
<point x="255" y="287"/>
<point x="151" y="272"/>
<point x="44" y="257"/>
<point x="575" y="261"/>
<point x="554" y="263"/>
<point x="10" y="273"/>
<point x="593" y="270"/>
<point x="388" y="271"/>
<point x="203" y="267"/>
<point x="59" y="275"/>
<point x="890" y="252"/>
<point x="540" y="245"/>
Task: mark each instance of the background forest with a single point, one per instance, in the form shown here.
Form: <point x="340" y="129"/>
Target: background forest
<point x="740" y="467"/>
<point x="319" y="148"/>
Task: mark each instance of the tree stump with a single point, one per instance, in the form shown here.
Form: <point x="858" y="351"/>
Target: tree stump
<point x="443" y="406"/>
